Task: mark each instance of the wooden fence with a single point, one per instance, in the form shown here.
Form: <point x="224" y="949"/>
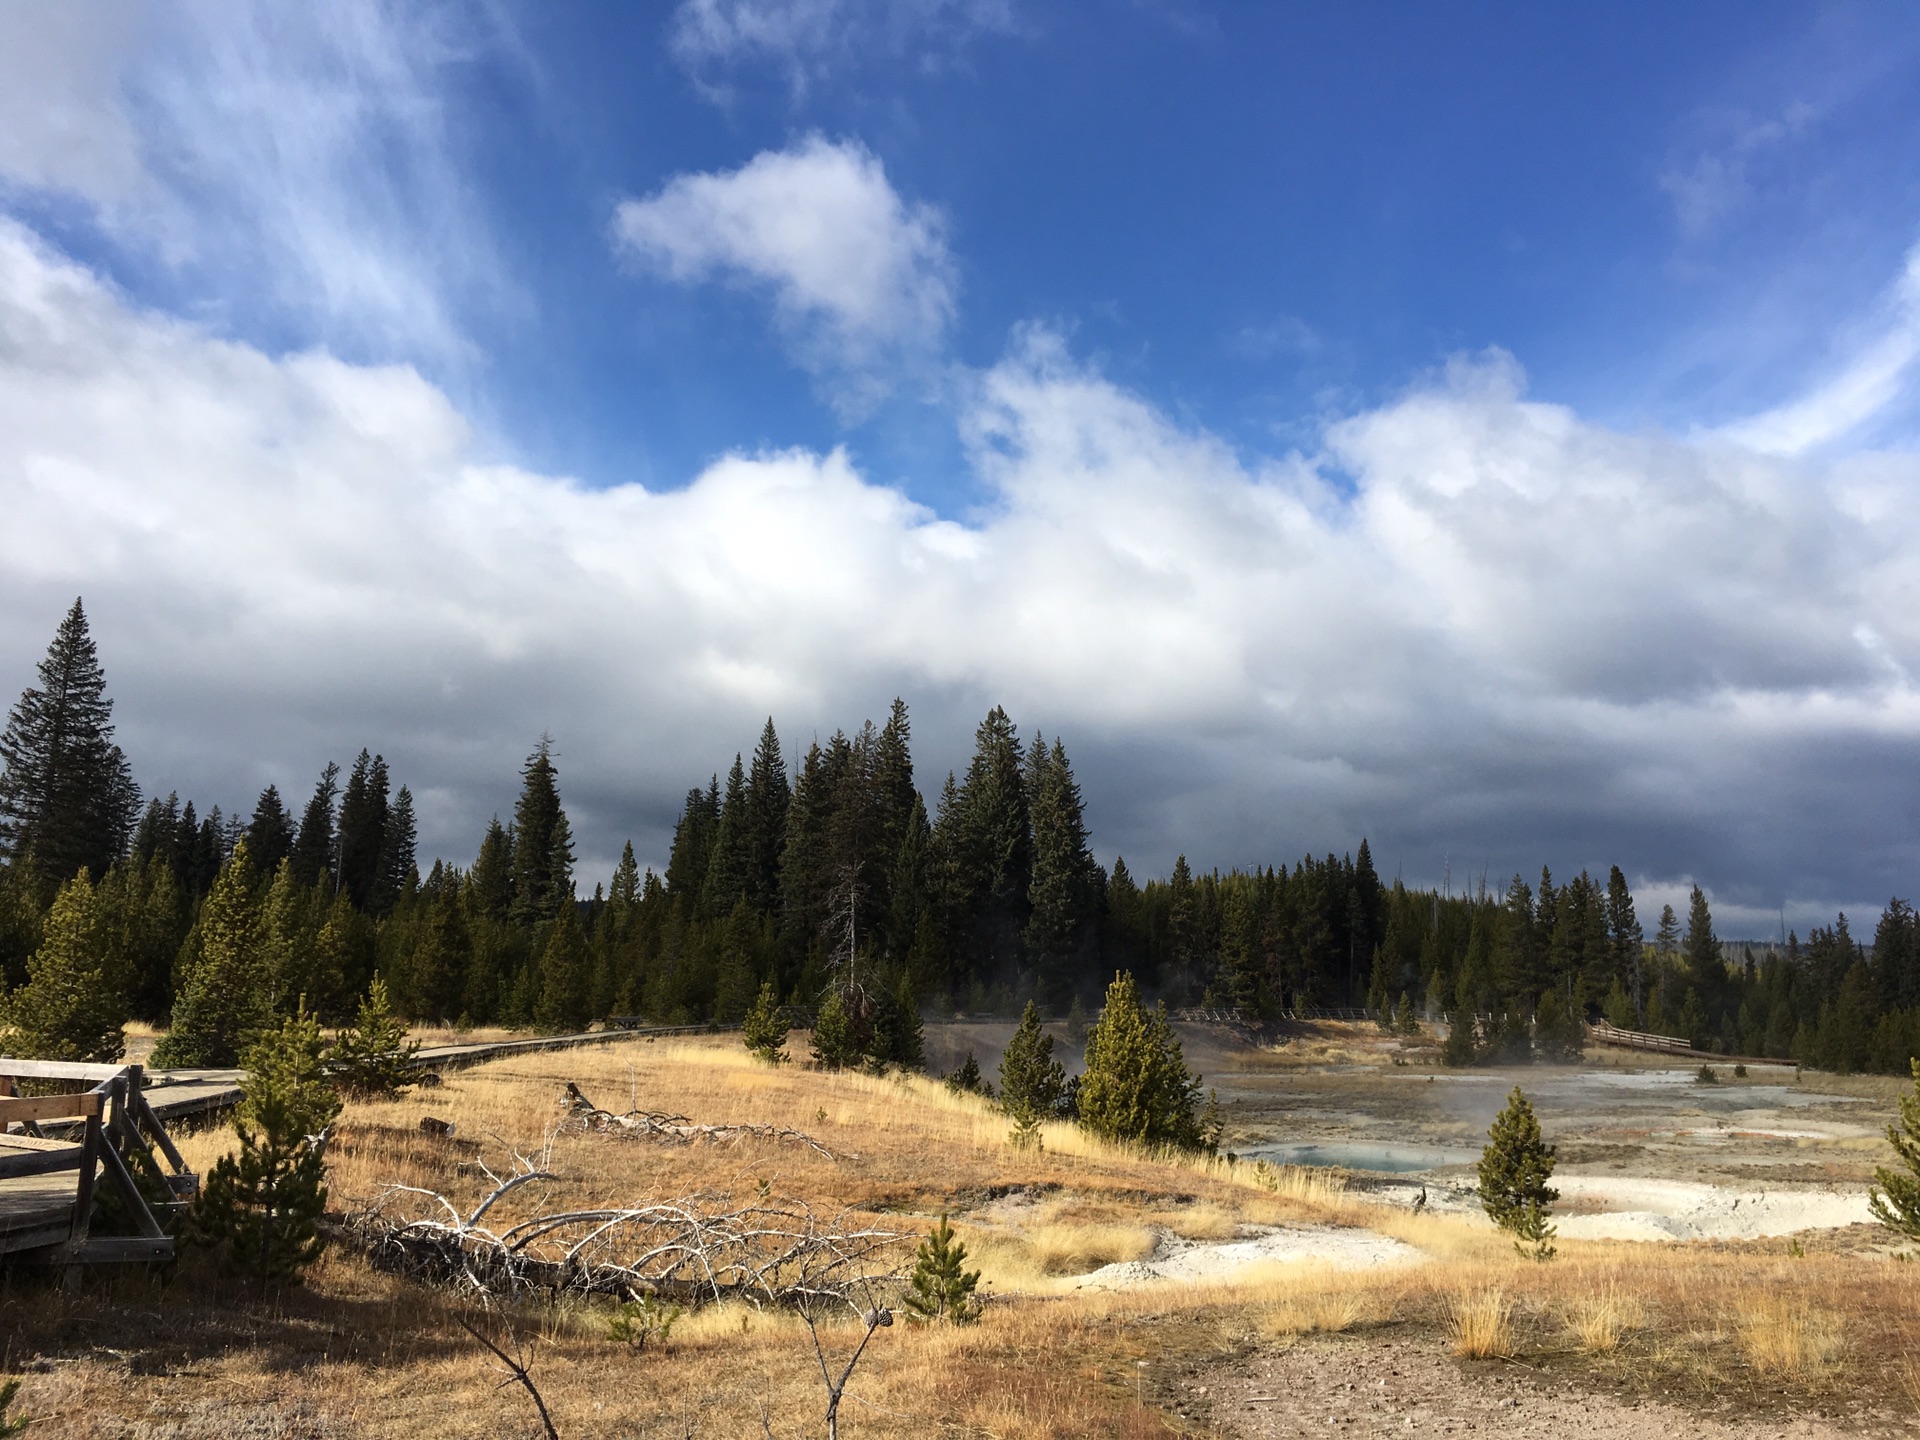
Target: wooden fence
<point x="48" y="1183"/>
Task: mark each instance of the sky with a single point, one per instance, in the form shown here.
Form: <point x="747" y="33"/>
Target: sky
<point x="1488" y="429"/>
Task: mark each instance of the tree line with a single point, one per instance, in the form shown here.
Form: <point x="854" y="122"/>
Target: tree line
<point x="829" y="878"/>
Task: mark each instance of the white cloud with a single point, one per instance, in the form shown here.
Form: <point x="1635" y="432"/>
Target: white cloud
<point x="1873" y="376"/>
<point x="301" y="155"/>
<point x="1524" y="637"/>
<point x="1717" y="182"/>
<point x="860" y="279"/>
<point x="811" y="39"/>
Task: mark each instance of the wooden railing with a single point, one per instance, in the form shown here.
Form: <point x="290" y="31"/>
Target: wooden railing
<point x="117" y="1130"/>
<point x="1602" y="1033"/>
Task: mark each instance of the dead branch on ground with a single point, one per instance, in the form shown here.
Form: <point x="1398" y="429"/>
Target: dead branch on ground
<point x="697" y="1249"/>
<point x="676" y="1129"/>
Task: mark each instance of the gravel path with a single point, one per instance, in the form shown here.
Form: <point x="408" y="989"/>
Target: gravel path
<point x="1415" y="1388"/>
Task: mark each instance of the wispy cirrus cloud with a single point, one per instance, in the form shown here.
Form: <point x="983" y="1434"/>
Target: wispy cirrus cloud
<point x="860" y="279"/>
<point x="301" y="160"/>
<point x="1875" y="373"/>
<point x="808" y="41"/>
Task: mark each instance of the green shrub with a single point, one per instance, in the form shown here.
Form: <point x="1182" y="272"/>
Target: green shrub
<point x="940" y="1288"/>
<point x="259" y="1210"/>
<point x="765" y="1029"/>
<point x="1514" y="1170"/>
<point x="374" y="1056"/>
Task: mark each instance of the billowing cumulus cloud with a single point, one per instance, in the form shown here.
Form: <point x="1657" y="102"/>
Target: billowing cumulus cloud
<point x="1471" y="626"/>
<point x="859" y="278"/>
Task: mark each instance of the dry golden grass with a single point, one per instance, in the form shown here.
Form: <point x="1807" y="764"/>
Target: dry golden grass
<point x="1784" y="1335"/>
<point x="1481" y="1324"/>
<point x="370" y="1354"/>
<point x="1600" y="1317"/>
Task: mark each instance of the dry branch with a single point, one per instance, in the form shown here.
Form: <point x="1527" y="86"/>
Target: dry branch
<point x="677" y="1129"/>
<point x="701" y="1248"/>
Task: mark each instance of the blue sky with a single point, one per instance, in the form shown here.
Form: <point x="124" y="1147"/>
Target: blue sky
<point x="1411" y="408"/>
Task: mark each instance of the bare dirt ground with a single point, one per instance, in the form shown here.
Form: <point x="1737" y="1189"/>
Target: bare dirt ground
<point x="1346" y="1387"/>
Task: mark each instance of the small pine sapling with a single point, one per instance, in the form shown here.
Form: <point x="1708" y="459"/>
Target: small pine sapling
<point x="941" y="1288"/>
<point x="968" y="1078"/>
<point x="1514" y="1170"/>
<point x="1406" y="1022"/>
<point x="835" y="1045"/>
<point x="765" y="1029"/>
<point x="374" y="1057"/>
<point x="643" y="1320"/>
<point x="1032" y="1082"/>
<point x="1895" y="1199"/>
<point x="1460" y="1046"/>
<point x="261" y="1208"/>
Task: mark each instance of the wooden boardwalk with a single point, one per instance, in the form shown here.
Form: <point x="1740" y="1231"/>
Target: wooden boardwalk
<point x="48" y="1183"/>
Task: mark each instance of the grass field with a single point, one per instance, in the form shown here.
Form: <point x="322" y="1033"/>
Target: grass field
<point x="1764" y="1326"/>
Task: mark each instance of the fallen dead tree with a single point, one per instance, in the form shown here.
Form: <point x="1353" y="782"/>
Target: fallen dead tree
<point x="698" y="1249"/>
<point x="677" y="1129"/>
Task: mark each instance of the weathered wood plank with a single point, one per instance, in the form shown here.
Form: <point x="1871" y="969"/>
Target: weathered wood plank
<point x="57" y="1070"/>
<point x="17" y="1164"/>
<point x="48" y="1107"/>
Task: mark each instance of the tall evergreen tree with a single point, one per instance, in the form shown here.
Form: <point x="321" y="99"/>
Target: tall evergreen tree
<point x="67" y="797"/>
<point x="1064" y="892"/>
<point x="542" y="842"/>
<point x="1625" y="941"/>
<point x="729" y="877"/>
<point x="1706" y="972"/>
<point x="565" y="975"/>
<point x="768" y="798"/>
<point x="490" y="883"/>
<point x="74" y="1004"/>
<point x="399" y="875"/>
<point x="224" y="1000"/>
<point x="312" y="852"/>
<point x="362" y="833"/>
<point x="692" y="854"/>
<point x="270" y="831"/>
<point x="995" y="846"/>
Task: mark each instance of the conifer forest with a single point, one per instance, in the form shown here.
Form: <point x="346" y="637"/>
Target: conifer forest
<point x="838" y="871"/>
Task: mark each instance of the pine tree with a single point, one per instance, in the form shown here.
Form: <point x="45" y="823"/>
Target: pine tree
<point x="1666" y="940"/>
<point x="765" y="1029"/>
<point x="312" y="852"/>
<point x="398" y="875"/>
<point x="74" y="1004"/>
<point x="993" y="847"/>
<point x="224" y="1001"/>
<point x="1064" y="891"/>
<point x="1514" y="1170"/>
<point x="835" y="1043"/>
<point x="1557" y="1035"/>
<point x="729" y="877"/>
<point x="1706" y="972"/>
<point x="362" y="833"/>
<point x="1627" y="941"/>
<point x="490" y="883"/>
<point x="374" y="1057"/>
<point x="67" y="797"/>
<point x="768" y="798"/>
<point x="269" y="832"/>
<point x="261" y="1207"/>
<point x="1895" y="1199"/>
<point x="565" y="976"/>
<point x="940" y="1287"/>
<point x="542" y="842"/>
<point x="969" y="1079"/>
<point x="1032" y="1082"/>
<point x="1136" y="1086"/>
